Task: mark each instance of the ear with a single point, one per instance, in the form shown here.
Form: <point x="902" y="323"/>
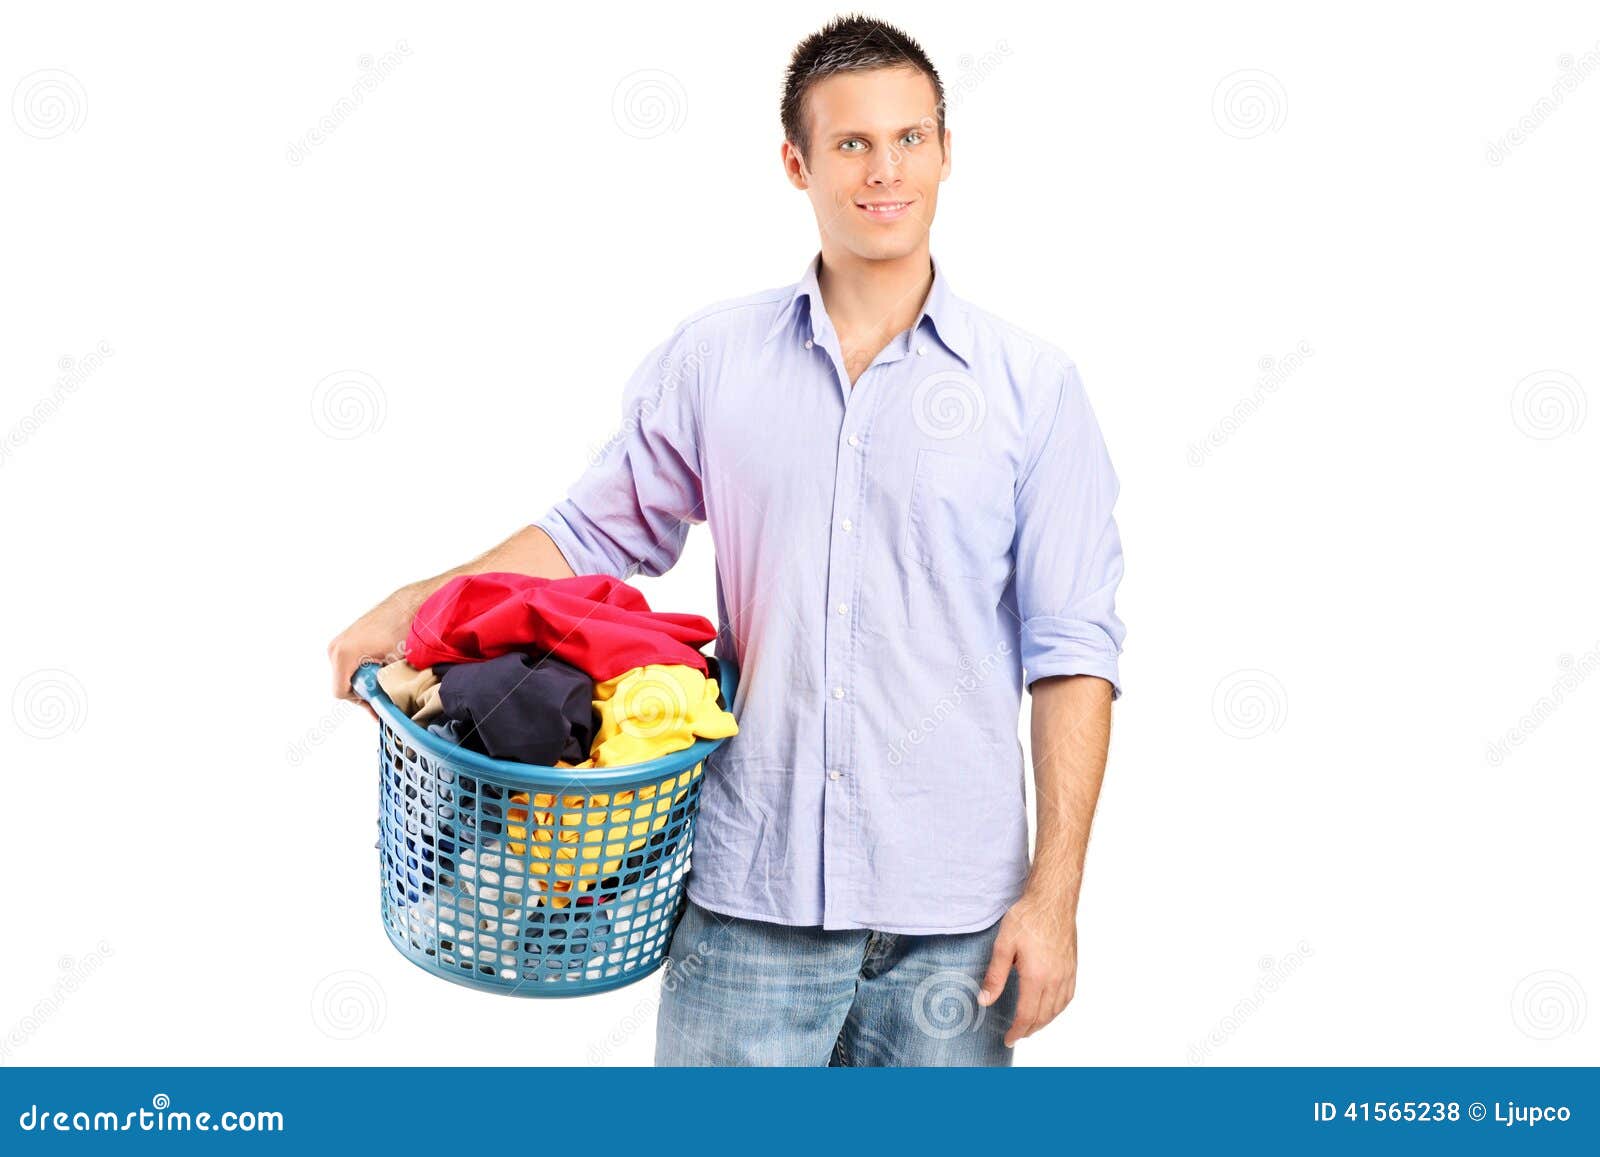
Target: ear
<point x="944" y="169"/>
<point x="794" y="166"/>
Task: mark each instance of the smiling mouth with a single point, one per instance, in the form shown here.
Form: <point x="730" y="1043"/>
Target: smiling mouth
<point x="883" y="209"/>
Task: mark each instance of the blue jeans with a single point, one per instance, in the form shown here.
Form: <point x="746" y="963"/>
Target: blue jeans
<point x="749" y="992"/>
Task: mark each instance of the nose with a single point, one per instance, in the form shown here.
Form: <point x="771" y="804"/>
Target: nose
<point x="885" y="169"/>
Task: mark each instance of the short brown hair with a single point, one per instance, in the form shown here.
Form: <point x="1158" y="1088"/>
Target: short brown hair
<point x="854" y="43"/>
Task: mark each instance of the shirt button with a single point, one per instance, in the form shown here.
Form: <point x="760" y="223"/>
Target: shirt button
<point x="838" y="692"/>
<point x="808" y="343"/>
<point x="853" y="440"/>
<point x="843" y="609"/>
<point x="921" y="350"/>
<point x="846" y="525"/>
<point x="833" y="775"/>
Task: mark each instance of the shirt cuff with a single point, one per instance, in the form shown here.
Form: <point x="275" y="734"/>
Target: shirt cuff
<point x="1055" y="646"/>
<point x="567" y="526"/>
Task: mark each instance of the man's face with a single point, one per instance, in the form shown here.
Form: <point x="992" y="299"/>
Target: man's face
<point x="874" y="162"/>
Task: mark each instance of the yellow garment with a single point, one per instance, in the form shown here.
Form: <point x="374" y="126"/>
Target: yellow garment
<point x="581" y="829"/>
<point x="653" y="711"/>
<point x="645" y="713"/>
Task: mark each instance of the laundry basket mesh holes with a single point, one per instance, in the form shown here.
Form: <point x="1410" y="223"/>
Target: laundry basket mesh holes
<point x="516" y="886"/>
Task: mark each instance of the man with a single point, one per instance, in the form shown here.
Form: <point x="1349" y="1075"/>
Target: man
<point x="911" y="506"/>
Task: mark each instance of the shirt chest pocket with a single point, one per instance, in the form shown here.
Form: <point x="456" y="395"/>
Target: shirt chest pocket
<point x="961" y="517"/>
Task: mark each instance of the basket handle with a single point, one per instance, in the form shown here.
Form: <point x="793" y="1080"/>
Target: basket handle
<point x="365" y="681"/>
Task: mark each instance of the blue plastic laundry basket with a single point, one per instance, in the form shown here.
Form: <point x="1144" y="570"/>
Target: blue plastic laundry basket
<point x="527" y="880"/>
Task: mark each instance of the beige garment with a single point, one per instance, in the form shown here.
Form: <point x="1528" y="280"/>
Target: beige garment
<point x="414" y="692"/>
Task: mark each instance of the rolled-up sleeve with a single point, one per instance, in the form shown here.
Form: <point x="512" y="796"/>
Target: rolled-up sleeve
<point x="1067" y="550"/>
<point x="630" y="511"/>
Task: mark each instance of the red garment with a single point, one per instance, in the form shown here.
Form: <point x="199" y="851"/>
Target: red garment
<point x="597" y="623"/>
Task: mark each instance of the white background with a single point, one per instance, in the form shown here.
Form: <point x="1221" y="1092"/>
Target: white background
<point x="1305" y="851"/>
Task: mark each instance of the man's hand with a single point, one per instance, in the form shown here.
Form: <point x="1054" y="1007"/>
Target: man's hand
<point x="377" y="636"/>
<point x="1040" y="936"/>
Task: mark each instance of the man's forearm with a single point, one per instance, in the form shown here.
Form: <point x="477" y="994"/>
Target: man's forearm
<point x="1071" y="732"/>
<point x="530" y="551"/>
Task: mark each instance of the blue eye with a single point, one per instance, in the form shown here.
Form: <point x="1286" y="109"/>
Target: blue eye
<point x="852" y="141"/>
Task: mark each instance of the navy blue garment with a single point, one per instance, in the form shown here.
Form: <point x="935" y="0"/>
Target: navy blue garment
<point x="714" y="673"/>
<point x="513" y="707"/>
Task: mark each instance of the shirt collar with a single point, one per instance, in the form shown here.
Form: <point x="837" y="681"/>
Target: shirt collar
<point x="941" y="308"/>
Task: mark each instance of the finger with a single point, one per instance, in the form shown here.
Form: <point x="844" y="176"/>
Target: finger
<point x="1053" y="1004"/>
<point x="342" y="669"/>
<point x="994" y="977"/>
<point x="345" y="665"/>
<point x="1022" y="1023"/>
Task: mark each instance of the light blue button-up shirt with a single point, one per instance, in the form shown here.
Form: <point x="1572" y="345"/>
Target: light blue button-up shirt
<point x="894" y="559"/>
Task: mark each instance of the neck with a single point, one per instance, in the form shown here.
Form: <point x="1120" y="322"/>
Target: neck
<point x="867" y="296"/>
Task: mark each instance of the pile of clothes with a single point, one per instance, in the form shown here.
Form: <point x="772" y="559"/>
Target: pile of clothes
<point x="563" y="673"/>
